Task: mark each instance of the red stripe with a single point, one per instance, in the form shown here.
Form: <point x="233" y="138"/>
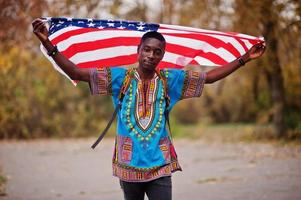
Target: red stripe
<point x="228" y="34"/>
<point x="164" y="64"/>
<point x="128" y="59"/>
<point x="182" y="50"/>
<point x="192" y="31"/>
<point x="213" y="58"/>
<point x="71" y="33"/>
<point x="243" y="45"/>
<point x="89" y="46"/>
<point x="131" y="41"/>
<point x="68" y="34"/>
<point x="116" y="61"/>
<point x="100" y="44"/>
<point x="192" y="53"/>
<point x="193" y="62"/>
<point x="217" y="43"/>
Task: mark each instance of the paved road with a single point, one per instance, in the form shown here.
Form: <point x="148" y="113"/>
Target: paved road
<point x="69" y="169"/>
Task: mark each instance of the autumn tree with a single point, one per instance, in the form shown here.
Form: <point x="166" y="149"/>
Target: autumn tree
<point x="275" y="20"/>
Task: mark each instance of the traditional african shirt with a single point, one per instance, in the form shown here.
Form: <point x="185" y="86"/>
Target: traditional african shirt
<point x="143" y="148"/>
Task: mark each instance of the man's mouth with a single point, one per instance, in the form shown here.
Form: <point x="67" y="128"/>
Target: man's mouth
<point x="148" y="63"/>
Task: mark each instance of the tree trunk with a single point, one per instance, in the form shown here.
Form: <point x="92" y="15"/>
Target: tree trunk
<point x="168" y="9"/>
<point x="273" y="71"/>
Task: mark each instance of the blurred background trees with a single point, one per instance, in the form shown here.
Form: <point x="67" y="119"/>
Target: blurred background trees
<point x="38" y="102"/>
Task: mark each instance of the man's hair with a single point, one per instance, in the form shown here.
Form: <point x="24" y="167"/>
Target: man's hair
<point x="153" y="34"/>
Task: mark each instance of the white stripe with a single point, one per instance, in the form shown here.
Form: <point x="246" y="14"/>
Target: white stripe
<point x="111" y="52"/>
<point x="61" y="31"/>
<point x="176" y="59"/>
<point x="247" y="43"/>
<point x="200" y="45"/>
<point x="227" y="39"/>
<point x="107" y="53"/>
<point x="186" y="28"/>
<point x="173" y="31"/>
<point x="182" y="41"/>
<point x="191" y="43"/>
<point x="244" y="36"/>
<point x="204" y="61"/>
<point x="205" y="31"/>
<point x="231" y="40"/>
<point x="97" y="35"/>
<point x="104" y="53"/>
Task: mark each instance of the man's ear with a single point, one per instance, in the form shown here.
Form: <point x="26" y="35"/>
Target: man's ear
<point x="163" y="54"/>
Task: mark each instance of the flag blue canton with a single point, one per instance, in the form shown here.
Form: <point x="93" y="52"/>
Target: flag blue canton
<point x="60" y="23"/>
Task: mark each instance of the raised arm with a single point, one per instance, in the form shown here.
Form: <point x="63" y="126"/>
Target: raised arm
<point x="221" y="72"/>
<point x="65" y="64"/>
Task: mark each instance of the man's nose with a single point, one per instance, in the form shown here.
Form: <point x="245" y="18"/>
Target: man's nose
<point x="151" y="54"/>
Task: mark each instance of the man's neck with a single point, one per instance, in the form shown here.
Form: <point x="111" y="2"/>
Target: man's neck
<point x="145" y="74"/>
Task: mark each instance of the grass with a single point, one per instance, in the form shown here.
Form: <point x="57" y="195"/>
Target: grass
<point x="233" y="132"/>
<point x="2" y="184"/>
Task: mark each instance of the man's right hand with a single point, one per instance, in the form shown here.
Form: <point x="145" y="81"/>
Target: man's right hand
<point x="40" y="30"/>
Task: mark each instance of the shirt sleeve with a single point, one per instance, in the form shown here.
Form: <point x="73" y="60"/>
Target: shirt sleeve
<point x="183" y="84"/>
<point x="106" y="81"/>
<point x="193" y="84"/>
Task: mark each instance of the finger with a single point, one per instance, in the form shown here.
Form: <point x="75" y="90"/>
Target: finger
<point x="39" y="27"/>
<point x="264" y="48"/>
<point x="261" y="50"/>
<point x="260" y="45"/>
<point x="34" y="22"/>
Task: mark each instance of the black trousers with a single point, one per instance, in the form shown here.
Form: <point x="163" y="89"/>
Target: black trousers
<point x="158" y="189"/>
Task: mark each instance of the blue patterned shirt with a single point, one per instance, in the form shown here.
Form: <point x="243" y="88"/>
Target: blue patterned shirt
<point x="143" y="147"/>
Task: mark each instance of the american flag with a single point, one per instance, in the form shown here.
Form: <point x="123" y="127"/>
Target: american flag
<point x="107" y="43"/>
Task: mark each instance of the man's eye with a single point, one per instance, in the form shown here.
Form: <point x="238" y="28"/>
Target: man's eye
<point x="158" y="53"/>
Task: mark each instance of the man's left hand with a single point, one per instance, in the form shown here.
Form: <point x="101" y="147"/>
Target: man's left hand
<point x="257" y="50"/>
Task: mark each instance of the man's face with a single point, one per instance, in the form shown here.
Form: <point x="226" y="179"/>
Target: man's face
<point x="150" y="53"/>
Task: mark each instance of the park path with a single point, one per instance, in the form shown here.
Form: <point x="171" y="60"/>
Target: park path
<point x="69" y="169"/>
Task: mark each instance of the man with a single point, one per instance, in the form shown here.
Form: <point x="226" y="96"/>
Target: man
<point x="144" y="156"/>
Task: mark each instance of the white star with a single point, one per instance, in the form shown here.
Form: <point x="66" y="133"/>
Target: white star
<point x="100" y="27"/>
<point x="141" y="23"/>
<point x="61" y="22"/>
<point x="140" y="28"/>
<point x="90" y="20"/>
<point x="69" y="19"/>
<point x="111" y="24"/>
<point x="121" y="27"/>
<point x="91" y="24"/>
<point x="80" y="22"/>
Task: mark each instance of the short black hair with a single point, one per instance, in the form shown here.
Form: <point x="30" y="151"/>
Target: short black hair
<point x="153" y="34"/>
